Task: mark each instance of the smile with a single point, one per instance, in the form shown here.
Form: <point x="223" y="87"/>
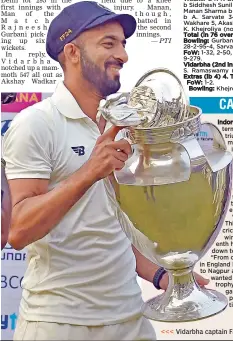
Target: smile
<point x="116" y="69"/>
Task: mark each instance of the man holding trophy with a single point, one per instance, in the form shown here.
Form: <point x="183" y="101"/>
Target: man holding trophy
<point x="81" y="280"/>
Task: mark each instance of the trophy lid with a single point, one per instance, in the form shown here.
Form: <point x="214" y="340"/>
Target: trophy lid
<point x="160" y="98"/>
<point x="156" y="110"/>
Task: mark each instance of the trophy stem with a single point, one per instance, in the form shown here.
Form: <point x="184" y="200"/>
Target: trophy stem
<point x="184" y="300"/>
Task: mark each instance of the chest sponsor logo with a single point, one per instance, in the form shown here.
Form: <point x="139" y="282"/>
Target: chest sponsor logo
<point x="80" y="150"/>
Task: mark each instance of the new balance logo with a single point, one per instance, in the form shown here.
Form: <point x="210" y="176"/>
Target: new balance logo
<point x="80" y="150"/>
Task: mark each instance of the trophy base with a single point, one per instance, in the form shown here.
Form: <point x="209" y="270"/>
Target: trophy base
<point x="184" y="302"/>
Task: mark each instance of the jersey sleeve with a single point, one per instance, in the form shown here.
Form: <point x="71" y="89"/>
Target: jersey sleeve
<point x="27" y="146"/>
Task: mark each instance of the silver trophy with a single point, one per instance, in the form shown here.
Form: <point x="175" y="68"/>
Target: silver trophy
<point x="175" y="188"/>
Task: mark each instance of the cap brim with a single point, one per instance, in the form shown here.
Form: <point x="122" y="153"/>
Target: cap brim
<point x="127" y="21"/>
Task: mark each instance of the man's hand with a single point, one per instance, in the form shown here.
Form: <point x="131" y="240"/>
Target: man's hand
<point x="200" y="280"/>
<point x="108" y="155"/>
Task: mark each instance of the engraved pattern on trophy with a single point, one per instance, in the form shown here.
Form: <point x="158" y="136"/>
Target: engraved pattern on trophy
<point x="175" y="189"/>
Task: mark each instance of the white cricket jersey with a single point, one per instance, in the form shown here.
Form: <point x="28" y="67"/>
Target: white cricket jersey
<point x="83" y="271"/>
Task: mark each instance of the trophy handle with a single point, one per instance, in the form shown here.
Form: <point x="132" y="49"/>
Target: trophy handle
<point x="191" y="146"/>
<point x="214" y="147"/>
<point x="209" y="144"/>
<point x="205" y="126"/>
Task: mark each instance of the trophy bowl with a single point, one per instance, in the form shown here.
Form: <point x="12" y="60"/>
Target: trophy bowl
<point x="175" y="189"/>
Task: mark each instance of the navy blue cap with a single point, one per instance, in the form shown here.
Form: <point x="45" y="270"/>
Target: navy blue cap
<point x="79" y="17"/>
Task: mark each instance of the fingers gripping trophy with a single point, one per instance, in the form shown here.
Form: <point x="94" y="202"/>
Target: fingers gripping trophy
<point x="175" y="188"/>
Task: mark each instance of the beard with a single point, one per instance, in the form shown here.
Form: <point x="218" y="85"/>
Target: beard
<point x="98" y="78"/>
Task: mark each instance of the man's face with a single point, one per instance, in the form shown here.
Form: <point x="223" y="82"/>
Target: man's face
<point x="102" y="56"/>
